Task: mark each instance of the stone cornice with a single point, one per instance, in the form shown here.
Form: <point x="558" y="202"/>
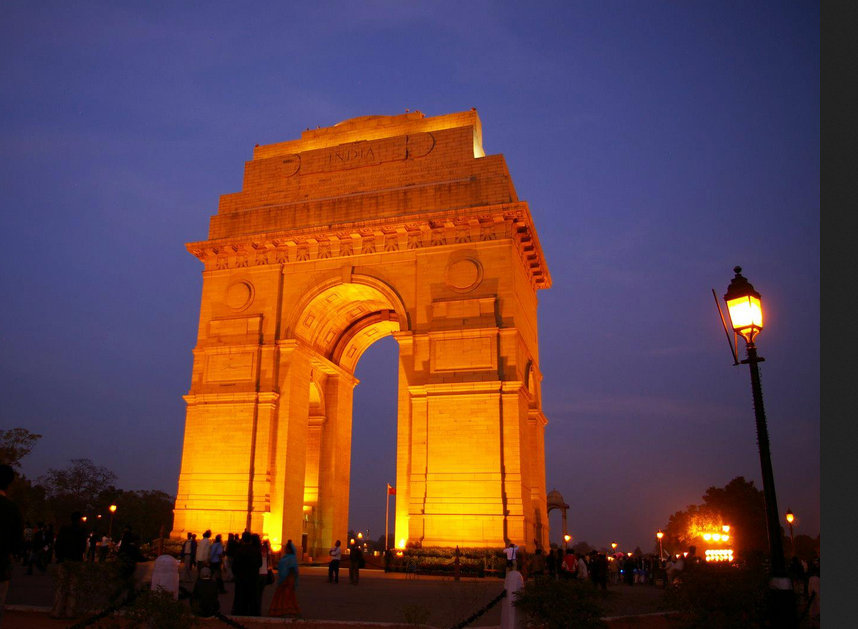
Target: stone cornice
<point x="510" y="221"/>
<point x="263" y="397"/>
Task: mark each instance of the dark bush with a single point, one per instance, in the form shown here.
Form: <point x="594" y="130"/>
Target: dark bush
<point x="717" y="596"/>
<point x="560" y="604"/>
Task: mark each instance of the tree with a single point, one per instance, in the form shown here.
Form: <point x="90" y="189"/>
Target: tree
<point x="582" y="548"/>
<point x="15" y="444"/>
<point x="738" y="504"/>
<point x="145" y="511"/>
<point x="743" y="507"/>
<point x="76" y="487"/>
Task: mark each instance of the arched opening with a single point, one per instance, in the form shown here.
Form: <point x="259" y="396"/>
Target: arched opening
<point x="343" y="319"/>
<point x="373" y="456"/>
<point x="351" y="432"/>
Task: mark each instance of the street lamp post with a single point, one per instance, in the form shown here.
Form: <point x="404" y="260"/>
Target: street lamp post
<point x="790" y="517"/>
<point x="746" y="316"/>
<point x="659" y="535"/>
<point x="110" y="526"/>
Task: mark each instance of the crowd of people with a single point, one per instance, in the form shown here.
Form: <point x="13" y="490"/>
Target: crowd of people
<point x="244" y="559"/>
<point x="37" y="549"/>
<point x="247" y="561"/>
<point x="600" y="568"/>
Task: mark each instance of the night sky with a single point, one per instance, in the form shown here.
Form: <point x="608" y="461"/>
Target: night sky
<point x="658" y="144"/>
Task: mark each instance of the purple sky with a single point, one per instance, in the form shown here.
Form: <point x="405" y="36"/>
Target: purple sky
<point x="658" y="145"/>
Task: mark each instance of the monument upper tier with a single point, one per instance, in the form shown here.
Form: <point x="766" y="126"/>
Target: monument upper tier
<point x="403" y="174"/>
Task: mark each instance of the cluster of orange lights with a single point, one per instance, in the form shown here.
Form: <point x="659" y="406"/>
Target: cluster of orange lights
<point x="716" y="537"/>
<point x="719" y="554"/>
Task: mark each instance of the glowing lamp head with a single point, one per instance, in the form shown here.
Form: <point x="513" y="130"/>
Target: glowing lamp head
<point x="567" y="537"/>
<point x="614" y="545"/>
<point x="744" y="307"/>
<point x="113" y="508"/>
<point x="790" y="517"/>
<point x="659" y="535"/>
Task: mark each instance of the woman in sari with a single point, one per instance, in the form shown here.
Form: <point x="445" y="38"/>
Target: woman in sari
<point x="284" y="602"/>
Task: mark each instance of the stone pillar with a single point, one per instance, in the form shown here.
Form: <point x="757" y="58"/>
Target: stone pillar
<point x="289" y="439"/>
<point x="334" y="464"/>
<point x="404" y="460"/>
<point x="513" y="438"/>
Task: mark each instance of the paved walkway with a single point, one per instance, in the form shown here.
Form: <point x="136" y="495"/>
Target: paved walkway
<point x="379" y="598"/>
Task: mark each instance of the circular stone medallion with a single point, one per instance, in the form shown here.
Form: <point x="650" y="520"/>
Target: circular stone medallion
<point x="239" y="295"/>
<point x="464" y="275"/>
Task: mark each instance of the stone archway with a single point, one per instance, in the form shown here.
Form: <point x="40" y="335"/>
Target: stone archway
<point x="382" y="225"/>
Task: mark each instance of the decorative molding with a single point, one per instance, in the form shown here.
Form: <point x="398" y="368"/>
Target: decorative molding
<point x="504" y="222"/>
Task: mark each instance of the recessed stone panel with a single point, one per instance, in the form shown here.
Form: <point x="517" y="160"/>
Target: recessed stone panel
<point x="463" y="354"/>
<point x="231" y="367"/>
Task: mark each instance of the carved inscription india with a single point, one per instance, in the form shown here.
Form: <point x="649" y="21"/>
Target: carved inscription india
<point x="358" y="154"/>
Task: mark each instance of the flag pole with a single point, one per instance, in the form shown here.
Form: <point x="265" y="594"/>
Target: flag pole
<point x="386" y="515"/>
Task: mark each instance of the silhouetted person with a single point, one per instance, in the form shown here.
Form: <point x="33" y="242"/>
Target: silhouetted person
<point x="11" y="532"/>
<point x="246" y="560"/>
<point x="215" y="559"/>
<point x="204" y="598"/>
<point x="629" y="571"/>
<point x="356" y="562"/>
<point x="69" y="547"/>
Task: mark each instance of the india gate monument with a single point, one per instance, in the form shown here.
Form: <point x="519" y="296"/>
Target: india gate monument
<point x="379" y="225"/>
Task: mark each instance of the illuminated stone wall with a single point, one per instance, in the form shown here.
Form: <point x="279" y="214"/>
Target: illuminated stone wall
<point x="381" y="225"/>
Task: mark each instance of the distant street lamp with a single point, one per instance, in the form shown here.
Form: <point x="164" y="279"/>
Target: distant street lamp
<point x="566" y="539"/>
<point x="110" y="526"/>
<point x="659" y="535"/>
<point x="789" y="518"/>
<point x="614" y="546"/>
<point x="746" y="318"/>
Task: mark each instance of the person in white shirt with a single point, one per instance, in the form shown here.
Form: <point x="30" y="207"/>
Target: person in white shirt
<point x="582" y="567"/>
<point x="204" y="550"/>
<point x="511" y="552"/>
<point x="336" y="554"/>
